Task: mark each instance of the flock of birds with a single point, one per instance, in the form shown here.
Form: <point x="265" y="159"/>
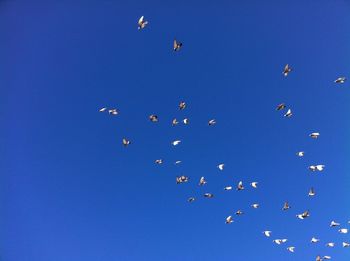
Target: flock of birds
<point x="142" y="23"/>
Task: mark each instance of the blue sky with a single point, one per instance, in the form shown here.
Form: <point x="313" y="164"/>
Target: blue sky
<point x="71" y="191"/>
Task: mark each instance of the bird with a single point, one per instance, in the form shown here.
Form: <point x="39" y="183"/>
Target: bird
<point x="142" y="23"/>
<point x="330" y="244"/>
<point x="229" y="220"/>
<point x="113" y="111"/>
<point x="317" y="167"/>
<point x="158" y="161"/>
<point x="255" y="205"/>
<point x="286" y="206"/>
<point x="221" y="166"/>
<point x="280" y="107"/>
<point x="254" y="184"/>
<point x="314" y="240"/>
<point x="346" y="244"/>
<point x="240" y="186"/>
<point x="334" y="224"/>
<point x="191" y="199"/>
<point x="181" y="179"/>
<point x="300" y="154"/>
<point x="318" y="258"/>
<point x="267" y="233"/>
<point x="153" y="118"/>
<point x="312" y="192"/>
<point x="126" y="142"/>
<point x="343" y="231"/>
<point x="327" y="257"/>
<point x="174" y="122"/>
<point x="208" y="195"/>
<point x="211" y="122"/>
<point x="102" y="109"/>
<point x="182" y="105"/>
<point x="291" y="249"/>
<point x="303" y="215"/>
<point x="176" y="142"/>
<point x="314" y="135"/>
<point x="239" y="212"/>
<point x="280" y="241"/>
<point x="178" y="162"/>
<point x="340" y="80"/>
<point x="202" y="181"/>
<point x="177" y="45"/>
<point x="186" y="121"/>
<point x="288" y="113"/>
<point x="228" y="188"/>
<point x="286" y="70"/>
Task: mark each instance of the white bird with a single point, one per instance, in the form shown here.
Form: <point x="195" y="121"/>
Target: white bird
<point x="300" y="154"/>
<point x="303" y="215"/>
<point x="182" y="105"/>
<point x="102" y="109"/>
<point x="191" y="199"/>
<point x="239" y="212"/>
<point x="240" y="186"/>
<point x="176" y="45"/>
<point x="280" y="107"/>
<point x="158" y="161"/>
<point x="113" y="111"/>
<point x="202" y="181"/>
<point x="330" y="244"/>
<point x="334" y="224"/>
<point x="254" y="184"/>
<point x="228" y="188"/>
<point x="126" y="142"/>
<point x="211" y="122"/>
<point x="177" y="162"/>
<point x="267" y="233"/>
<point x="346" y="244"/>
<point x="221" y="166"/>
<point x="153" y="118"/>
<point x="286" y="206"/>
<point x="280" y="241"/>
<point x="327" y="257"/>
<point x="286" y="70"/>
<point x="343" y="231"/>
<point x="186" y="121"/>
<point x="314" y="135"/>
<point x="317" y="167"/>
<point x="176" y="142"/>
<point x="314" y="240"/>
<point x="291" y="249"/>
<point x="255" y="205"/>
<point x="312" y="192"/>
<point x="340" y="80"/>
<point x="142" y="23"/>
<point x="208" y="195"/>
<point x="288" y="113"/>
<point x="181" y="179"/>
<point x="229" y="220"/>
<point x="174" y="122"/>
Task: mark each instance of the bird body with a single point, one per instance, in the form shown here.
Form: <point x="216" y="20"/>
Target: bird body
<point x="142" y="23"/>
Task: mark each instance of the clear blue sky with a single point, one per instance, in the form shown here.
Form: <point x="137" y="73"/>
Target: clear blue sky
<point x="70" y="191"/>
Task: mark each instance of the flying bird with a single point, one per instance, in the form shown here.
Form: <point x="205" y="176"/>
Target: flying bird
<point x="182" y="105"/>
<point x="312" y="192"/>
<point x="208" y="195"/>
<point x="153" y="118"/>
<point x="158" y="161"/>
<point x="202" y="181"/>
<point x="211" y="122"/>
<point x="102" y="109"/>
<point x="126" y="142"/>
<point x="334" y="224"/>
<point x="240" y="186"/>
<point x="330" y="244"/>
<point x="314" y="240"/>
<point x="286" y="206"/>
<point x="286" y="70"/>
<point x="346" y="244"/>
<point x="177" y="162"/>
<point x="288" y="114"/>
<point x="229" y="220"/>
<point x="280" y="107"/>
<point x="239" y="212"/>
<point x="317" y="167"/>
<point x="291" y="249"/>
<point x="327" y="257"/>
<point x="221" y="166"/>
<point x="280" y="241"/>
<point x="181" y="179"/>
<point x="267" y="233"/>
<point x="343" y="231"/>
<point x="186" y="121"/>
<point x="177" y="45"/>
<point x="174" y="122"/>
<point x="113" y="112"/>
<point x="142" y="23"/>
<point x="191" y="199"/>
<point x="254" y="184"/>
<point x="340" y="80"/>
<point x="300" y="154"/>
<point x="303" y="215"/>
<point x="228" y="188"/>
<point x="314" y="135"/>
<point x="255" y="205"/>
<point x="176" y="142"/>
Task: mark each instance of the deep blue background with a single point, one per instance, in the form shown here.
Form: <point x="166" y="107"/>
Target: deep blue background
<point x="71" y="192"/>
